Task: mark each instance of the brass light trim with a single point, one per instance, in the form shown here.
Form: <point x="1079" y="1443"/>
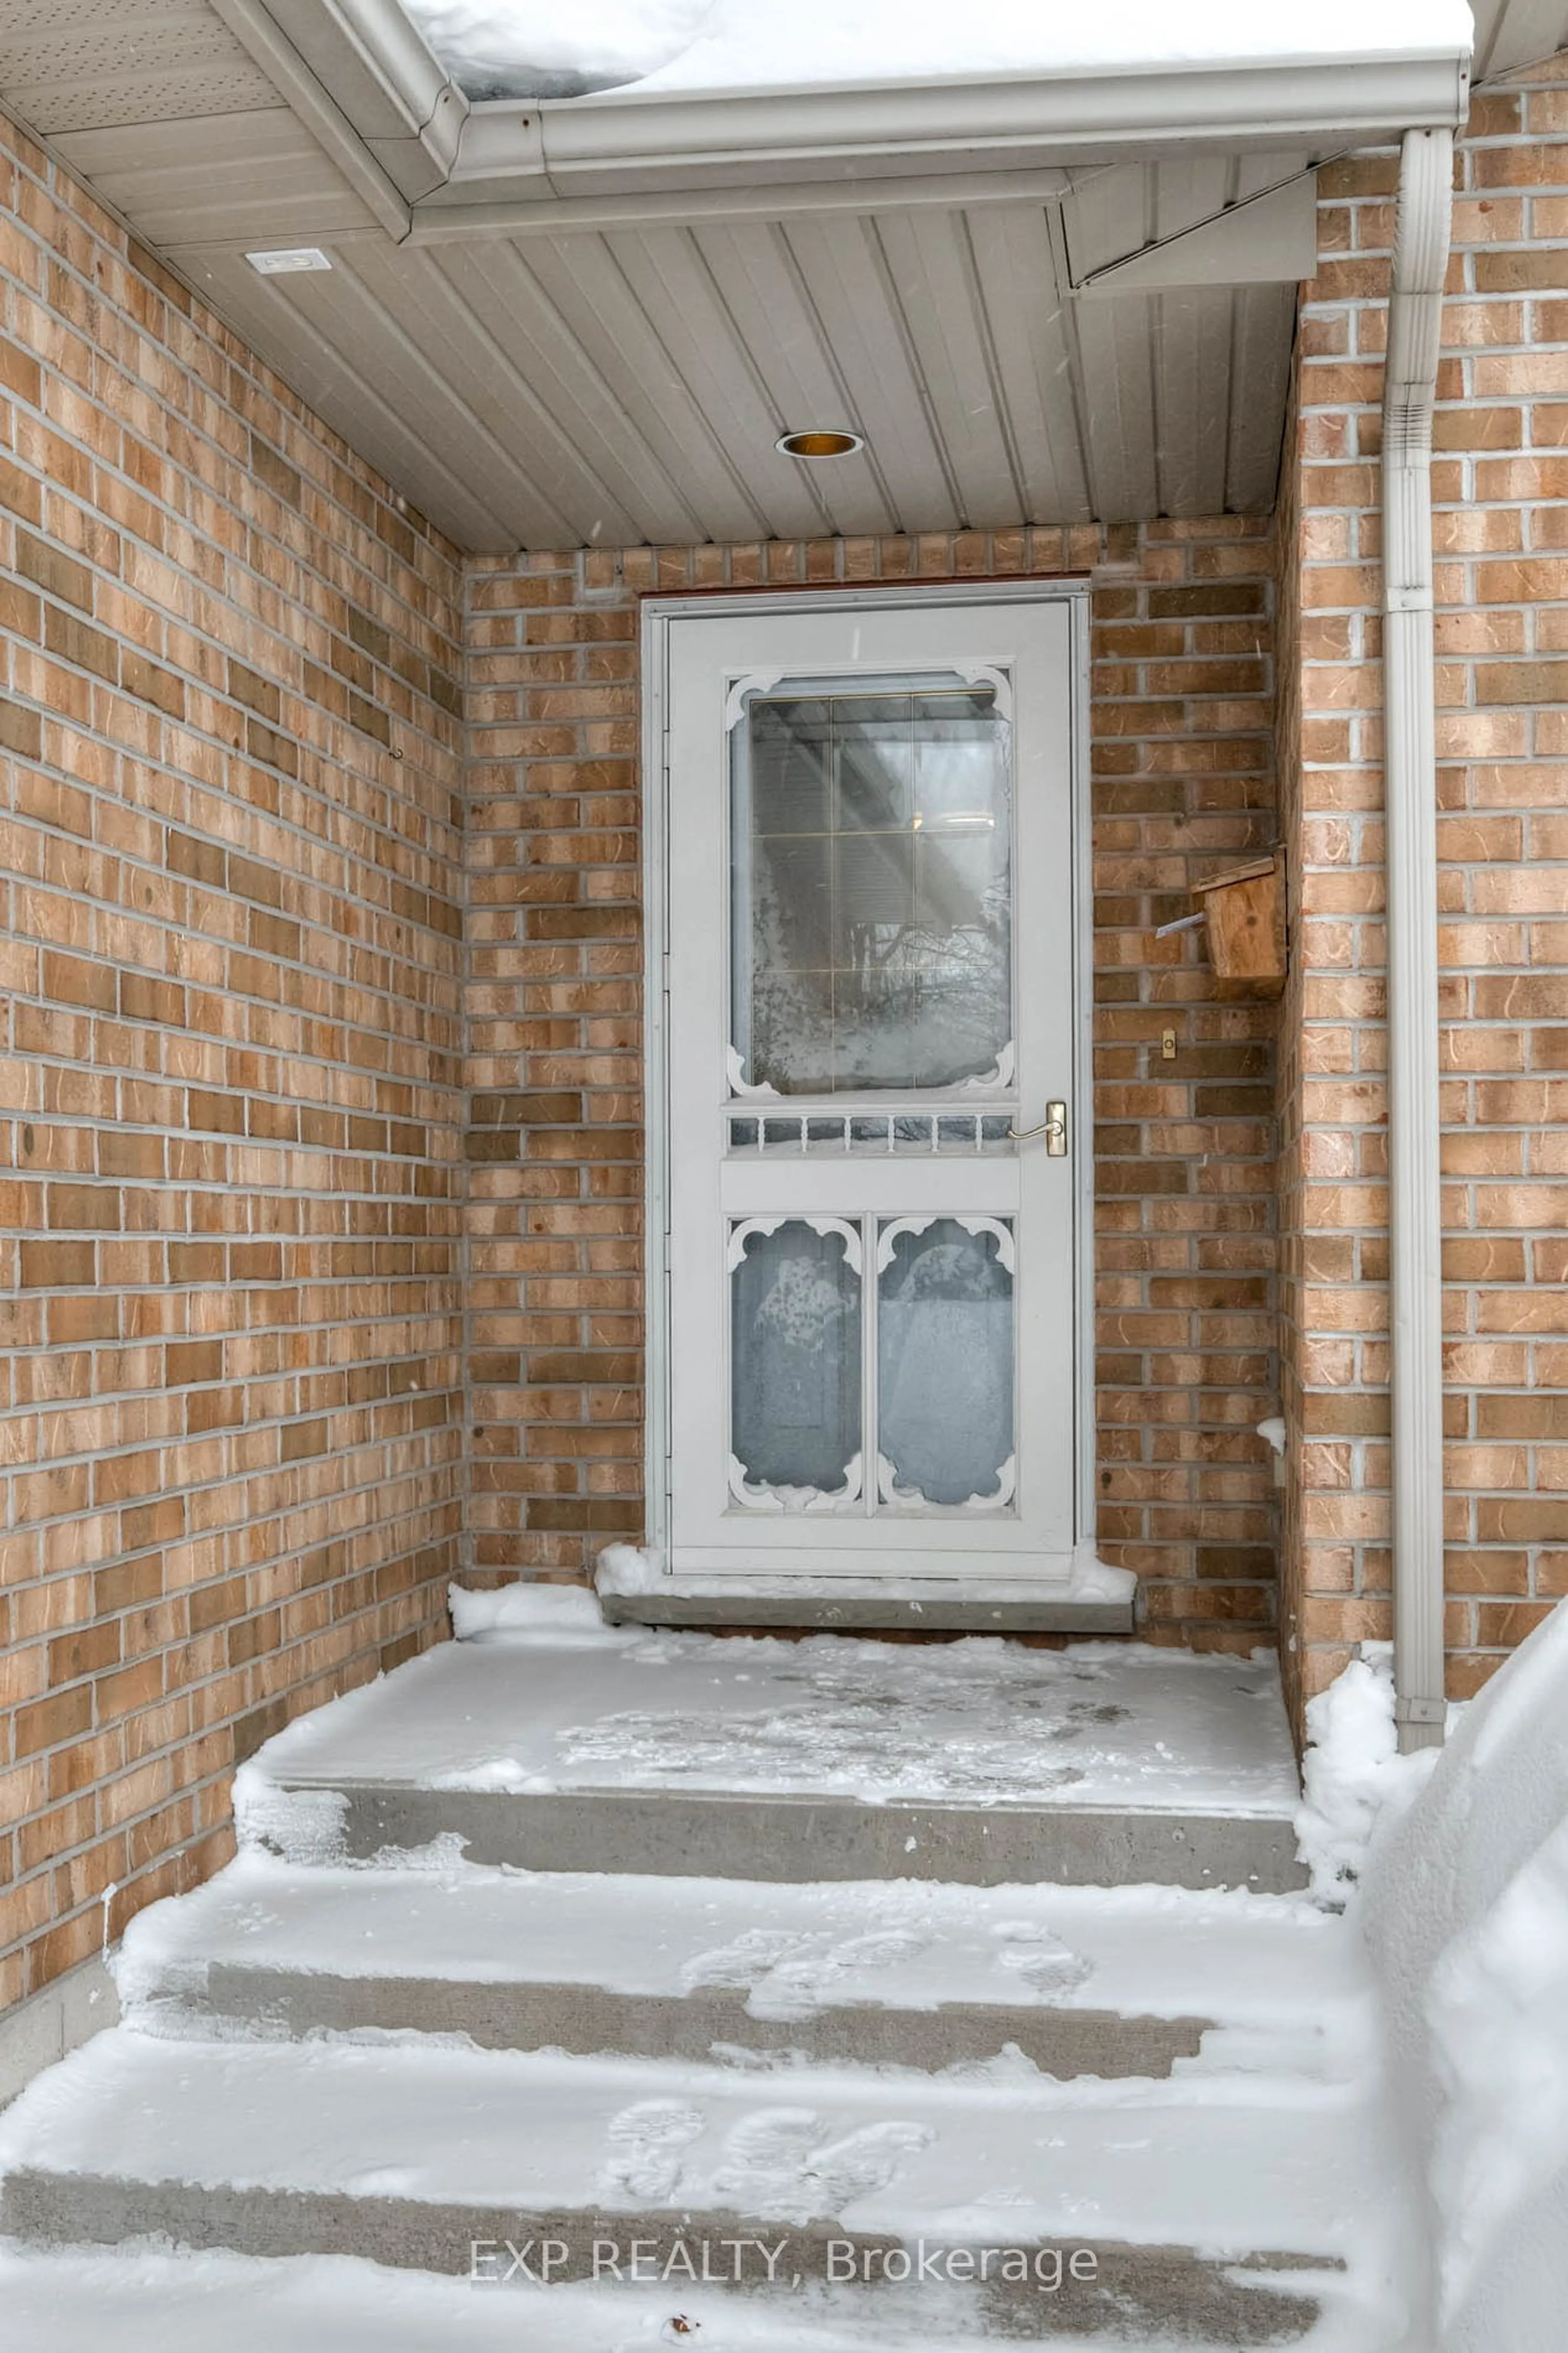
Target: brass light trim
<point x="820" y="441"/>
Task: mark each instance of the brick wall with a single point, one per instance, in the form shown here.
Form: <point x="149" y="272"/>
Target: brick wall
<point x="246" y="1206"/>
<point x="1500" y="483"/>
<point x="231" y="969"/>
<point x="1182" y="784"/>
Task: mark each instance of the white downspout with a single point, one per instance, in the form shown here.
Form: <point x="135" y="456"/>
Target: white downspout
<point x="1409" y="767"/>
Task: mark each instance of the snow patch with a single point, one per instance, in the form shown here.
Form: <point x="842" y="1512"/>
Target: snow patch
<point x="302" y="1826"/>
<point x="503" y="1773"/>
<point x="1496" y="2006"/>
<point x="565" y="1616"/>
<point x="150" y="1967"/>
<point x="1467" y="1912"/>
<point x="531" y="49"/>
<point x="628" y="1569"/>
<point x="631" y="1569"/>
<point x="1356" y="1783"/>
<point x="438" y="1857"/>
<point x="1096" y="1580"/>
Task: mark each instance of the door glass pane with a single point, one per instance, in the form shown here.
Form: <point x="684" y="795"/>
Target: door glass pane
<point x="795" y="1315"/>
<point x="945" y="1362"/>
<point x="872" y="899"/>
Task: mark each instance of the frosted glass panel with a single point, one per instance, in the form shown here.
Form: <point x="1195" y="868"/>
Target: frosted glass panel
<point x="795" y="1309"/>
<point x="872" y="916"/>
<point x="945" y="1363"/>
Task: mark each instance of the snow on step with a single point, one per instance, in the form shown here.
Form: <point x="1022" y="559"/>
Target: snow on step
<point x="1121" y="1980"/>
<point x="980" y="1761"/>
<point x="406" y="2153"/>
<point x="156" y="2302"/>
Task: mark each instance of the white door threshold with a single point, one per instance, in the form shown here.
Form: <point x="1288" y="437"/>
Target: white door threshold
<point x="880" y="1605"/>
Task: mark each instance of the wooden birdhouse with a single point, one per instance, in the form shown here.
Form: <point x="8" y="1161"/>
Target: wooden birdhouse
<point x="1245" y="911"/>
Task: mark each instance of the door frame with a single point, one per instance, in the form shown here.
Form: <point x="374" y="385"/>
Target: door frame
<point x="659" y="615"/>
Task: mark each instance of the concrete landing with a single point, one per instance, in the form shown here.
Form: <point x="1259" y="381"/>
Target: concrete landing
<point x="977" y="1762"/>
<point x="987" y="1722"/>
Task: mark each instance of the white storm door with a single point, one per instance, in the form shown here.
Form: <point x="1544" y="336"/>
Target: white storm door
<point x="871" y="1345"/>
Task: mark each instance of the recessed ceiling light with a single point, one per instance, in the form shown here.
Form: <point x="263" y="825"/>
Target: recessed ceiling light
<point x="820" y="443"/>
<point x="283" y="260"/>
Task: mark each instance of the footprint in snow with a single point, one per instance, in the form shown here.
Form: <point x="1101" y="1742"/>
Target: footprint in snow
<point x="810" y="1972"/>
<point x="879" y="1948"/>
<point x="782" y="2161"/>
<point x="751" y="1956"/>
<point x="1040" y="1958"/>
<point x="866" y="2161"/>
<point x="649" y="2142"/>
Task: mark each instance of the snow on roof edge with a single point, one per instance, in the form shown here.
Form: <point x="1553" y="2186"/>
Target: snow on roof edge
<point x="647" y="50"/>
<point x="650" y="92"/>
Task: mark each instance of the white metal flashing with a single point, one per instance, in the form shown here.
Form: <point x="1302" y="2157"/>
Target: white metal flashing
<point x="374" y="60"/>
<point x="362" y="78"/>
<point x="252" y="23"/>
<point x="1415" y="1230"/>
<point x="1267" y="239"/>
<point x="421" y="96"/>
<point x="1513" y="33"/>
<point x="538" y="212"/>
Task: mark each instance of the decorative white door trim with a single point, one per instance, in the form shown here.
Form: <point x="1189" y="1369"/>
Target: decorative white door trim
<point x="660" y="615"/>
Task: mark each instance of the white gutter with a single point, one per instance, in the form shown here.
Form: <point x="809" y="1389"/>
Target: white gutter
<point x="1410" y="768"/>
<point x="372" y="57"/>
<point x="623" y="139"/>
<point x="362" y="77"/>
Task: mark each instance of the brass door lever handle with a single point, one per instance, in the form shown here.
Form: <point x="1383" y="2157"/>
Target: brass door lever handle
<point x="1052" y="1128"/>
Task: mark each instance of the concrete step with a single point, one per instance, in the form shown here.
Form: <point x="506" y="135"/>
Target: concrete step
<point x="980" y="1763"/>
<point x="1225" y="2220"/>
<point x="663" y="1834"/>
<point x="933" y="1606"/>
<point x="1080" y="1981"/>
